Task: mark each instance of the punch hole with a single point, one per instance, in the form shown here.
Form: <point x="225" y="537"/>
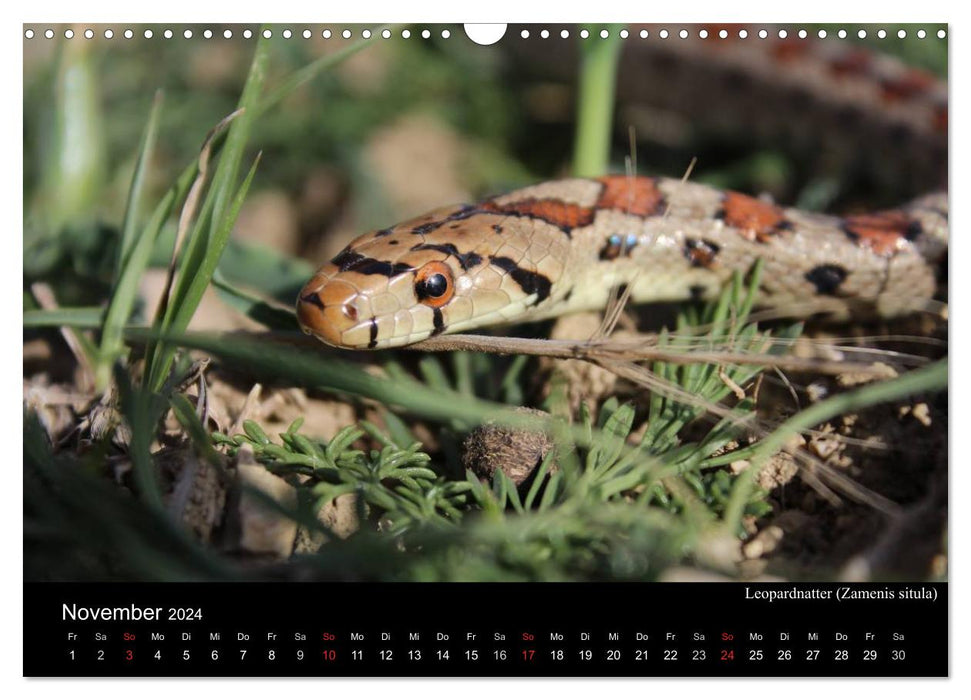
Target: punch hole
<point x="841" y="33"/>
<point x="821" y="33"/>
<point x="228" y="34"/>
<point x="545" y="34"/>
<point x="881" y="34"/>
<point x="287" y="34"/>
<point x="663" y="33"/>
<point x="722" y="33"/>
<point x="603" y="34"/>
<point x="901" y="33"/>
<point x="129" y="34"/>
<point x="941" y="33"/>
<point x="326" y="34"/>
<point x="187" y="34"/>
<point x="565" y="34"/>
<point x="525" y="33"/>
<point x="109" y="34"/>
<point x="802" y="34"/>
<point x="742" y="34"/>
<point x="29" y="34"/>
<point x="306" y="34"/>
<point x="921" y="34"/>
<point x="247" y="33"/>
<point x="861" y="34"/>
<point x="783" y="34"/>
<point x="446" y="34"/>
<point x="386" y="34"/>
<point x="763" y="34"/>
<point x="69" y="34"/>
<point x="346" y="34"/>
<point x="267" y="34"/>
<point x="89" y="34"/>
<point x="624" y="33"/>
<point x="168" y="34"/>
<point x="405" y="33"/>
<point x="207" y="34"/>
<point x="644" y="34"/>
<point x="584" y="34"/>
<point x="683" y="34"/>
<point x="488" y="34"/>
<point x="366" y="34"/>
<point x="49" y="34"/>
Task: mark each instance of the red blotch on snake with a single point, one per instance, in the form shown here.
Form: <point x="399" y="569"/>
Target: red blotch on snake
<point x="757" y="220"/>
<point x="639" y="196"/>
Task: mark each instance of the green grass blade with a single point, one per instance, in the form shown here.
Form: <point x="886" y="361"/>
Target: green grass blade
<point x="135" y="253"/>
<point x="76" y="317"/>
<point x="317" y="369"/>
<point x="255" y="308"/>
<point x="595" y="101"/>
<point x="137" y="187"/>
<point x="208" y="237"/>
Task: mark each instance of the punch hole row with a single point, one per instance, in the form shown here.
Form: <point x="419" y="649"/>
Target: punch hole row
<point x="724" y="34"/>
<point x="30" y="33"/>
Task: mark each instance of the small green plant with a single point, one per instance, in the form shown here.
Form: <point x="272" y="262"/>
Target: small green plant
<point x="400" y="483"/>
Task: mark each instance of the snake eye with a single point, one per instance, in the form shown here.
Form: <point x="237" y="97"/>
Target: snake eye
<point x="433" y="284"/>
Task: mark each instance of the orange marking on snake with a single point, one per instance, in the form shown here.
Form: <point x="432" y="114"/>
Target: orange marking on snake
<point x="884" y="233"/>
<point x="851" y="64"/>
<point x="757" y="220"/>
<point x="789" y="51"/>
<point x="639" y="196"/>
<point x="558" y="213"/>
<point x="907" y="86"/>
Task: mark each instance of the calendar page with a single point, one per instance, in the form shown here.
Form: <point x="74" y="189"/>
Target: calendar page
<point x="536" y="350"/>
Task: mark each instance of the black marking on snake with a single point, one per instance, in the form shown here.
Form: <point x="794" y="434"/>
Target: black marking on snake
<point x="346" y="258"/>
<point x="618" y="245"/>
<point x="913" y="231"/>
<point x="697" y="292"/>
<point x="313" y="298"/>
<point x="393" y="242"/>
<point x="530" y="282"/>
<point x="464" y="213"/>
<point x="349" y="261"/>
<point x="497" y="228"/>
<point x="370" y="266"/>
<point x="700" y="252"/>
<point x="438" y="322"/>
<point x="827" y="278"/>
<point x="466" y="260"/>
<point x="373" y="334"/>
<point x="384" y="232"/>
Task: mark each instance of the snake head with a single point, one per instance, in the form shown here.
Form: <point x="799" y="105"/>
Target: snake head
<point x="362" y="303"/>
<point x="387" y="288"/>
<point x="453" y="269"/>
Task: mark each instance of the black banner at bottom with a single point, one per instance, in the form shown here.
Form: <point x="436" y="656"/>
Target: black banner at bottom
<point x="473" y="629"/>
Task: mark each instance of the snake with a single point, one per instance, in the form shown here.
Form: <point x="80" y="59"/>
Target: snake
<point x="563" y="246"/>
<point x="560" y="247"/>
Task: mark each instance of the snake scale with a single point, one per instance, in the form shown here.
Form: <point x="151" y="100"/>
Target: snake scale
<point x="561" y="246"/>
